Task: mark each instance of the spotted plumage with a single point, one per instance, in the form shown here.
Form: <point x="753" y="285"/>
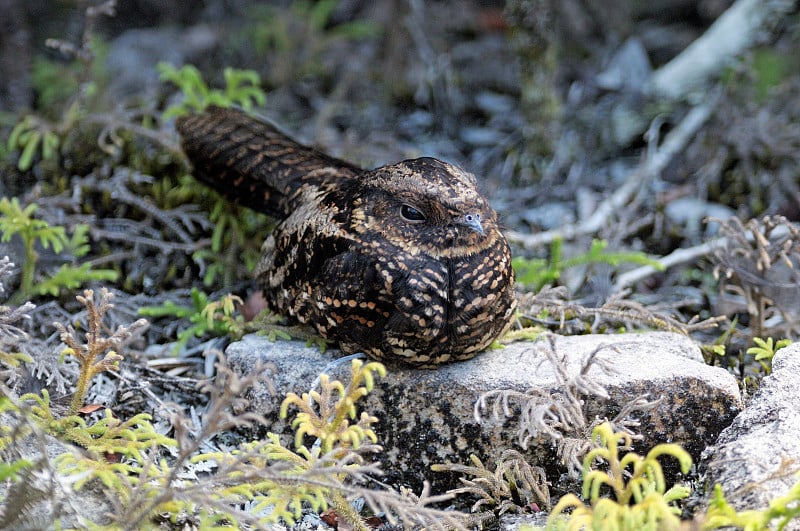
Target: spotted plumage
<point x="404" y="262"/>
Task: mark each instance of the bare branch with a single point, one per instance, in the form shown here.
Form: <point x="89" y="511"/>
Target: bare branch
<point x="742" y="26"/>
<point x="674" y="143"/>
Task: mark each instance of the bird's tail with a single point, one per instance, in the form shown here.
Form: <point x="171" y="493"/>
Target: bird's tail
<point x="252" y="163"/>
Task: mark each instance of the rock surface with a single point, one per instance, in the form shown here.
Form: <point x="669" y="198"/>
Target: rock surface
<point x="757" y="458"/>
<point x="427" y="416"/>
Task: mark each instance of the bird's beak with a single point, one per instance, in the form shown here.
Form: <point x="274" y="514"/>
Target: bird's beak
<point x="473" y="221"/>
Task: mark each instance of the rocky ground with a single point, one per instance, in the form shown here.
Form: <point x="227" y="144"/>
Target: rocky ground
<point x="582" y="121"/>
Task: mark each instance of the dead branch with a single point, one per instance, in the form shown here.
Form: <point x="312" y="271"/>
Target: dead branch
<point x="745" y="24"/>
<point x="652" y="166"/>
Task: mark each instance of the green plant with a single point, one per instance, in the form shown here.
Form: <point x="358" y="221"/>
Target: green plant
<point x="234" y="230"/>
<point x="16" y="220"/>
<point x="29" y="135"/>
<point x="10" y="471"/>
<point x="639" y="502"/>
<point x="318" y="15"/>
<point x="57" y="82"/>
<point x="764" y="69"/>
<point x="236" y="234"/>
<point x="95" y="354"/>
<point x="262" y="481"/>
<point x="108" y="436"/>
<point x="535" y="273"/>
<point x="330" y="416"/>
<point x="783" y="509"/>
<point x="257" y="483"/>
<point x="65" y="87"/>
<point x="206" y="317"/>
<point x="764" y="351"/>
<point x="242" y="87"/>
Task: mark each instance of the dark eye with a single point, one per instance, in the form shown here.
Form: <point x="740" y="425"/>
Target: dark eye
<point x="411" y="214"/>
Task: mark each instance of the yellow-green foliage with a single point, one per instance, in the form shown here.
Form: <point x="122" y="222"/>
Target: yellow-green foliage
<point x="64" y="91"/>
<point x="30" y="136"/>
<point x="316" y="475"/>
<point x="639" y="501"/>
<point x="17" y="220"/>
<point x="536" y="273"/>
<point x="237" y="232"/>
<point x="234" y="230"/>
<point x="207" y="317"/>
<point x="242" y="87"/>
<point x="258" y="483"/>
<point x="57" y="82"/>
<point x="328" y="418"/>
<point x="313" y="476"/>
<point x="765" y="350"/>
<point x="781" y="510"/>
<point x="104" y="437"/>
<point x="109" y="435"/>
<point x="13" y="359"/>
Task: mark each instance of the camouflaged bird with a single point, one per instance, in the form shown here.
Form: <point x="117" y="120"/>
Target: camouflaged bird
<point x="404" y="262"/>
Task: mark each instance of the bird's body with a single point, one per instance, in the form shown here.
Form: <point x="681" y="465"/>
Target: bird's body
<point x="405" y="262"/>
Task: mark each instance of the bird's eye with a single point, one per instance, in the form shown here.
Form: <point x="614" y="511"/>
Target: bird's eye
<point x="411" y="214"/>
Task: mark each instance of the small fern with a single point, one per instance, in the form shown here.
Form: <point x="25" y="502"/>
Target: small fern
<point x="16" y="220"/>
<point x="108" y="436"/>
<point x="214" y="318"/>
<point x="537" y="273"/>
<point x="780" y="511"/>
<point x="31" y="136"/>
<point x="314" y="476"/>
<point x="765" y="350"/>
<point x="640" y="501"/>
<point x="242" y="87"/>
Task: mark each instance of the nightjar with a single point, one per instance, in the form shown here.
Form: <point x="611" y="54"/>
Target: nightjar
<point x="405" y="262"/>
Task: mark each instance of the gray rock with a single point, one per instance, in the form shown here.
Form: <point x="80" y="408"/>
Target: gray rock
<point x="426" y="416"/>
<point x="629" y="69"/>
<point x="757" y="458"/>
<point x="691" y="211"/>
<point x="549" y="215"/>
<point x="133" y="56"/>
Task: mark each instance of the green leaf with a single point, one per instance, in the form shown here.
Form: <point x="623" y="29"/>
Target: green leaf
<point x="242" y="87"/>
<point x="169" y="308"/>
<point x="31" y="142"/>
<point x="10" y="470"/>
<point x="537" y="273"/>
<point x="78" y="243"/>
<point x="72" y="277"/>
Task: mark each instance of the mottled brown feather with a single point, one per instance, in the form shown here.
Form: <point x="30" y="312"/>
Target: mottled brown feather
<point x="422" y="287"/>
